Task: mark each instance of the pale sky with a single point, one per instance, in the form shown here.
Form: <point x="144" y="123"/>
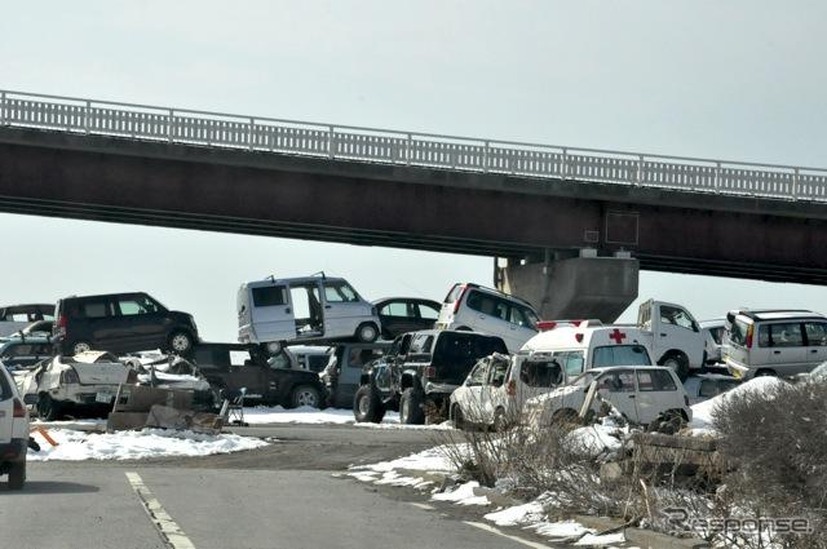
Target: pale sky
<point x="734" y="80"/>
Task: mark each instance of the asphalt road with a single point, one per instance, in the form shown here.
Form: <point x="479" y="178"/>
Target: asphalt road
<point x="288" y="494"/>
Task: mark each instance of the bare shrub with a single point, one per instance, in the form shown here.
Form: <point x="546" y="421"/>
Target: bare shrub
<point x="777" y="442"/>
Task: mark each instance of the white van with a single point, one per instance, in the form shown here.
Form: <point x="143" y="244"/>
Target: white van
<point x="308" y="309"/>
<point x="774" y="342"/>
<point x="473" y="307"/>
<point x="582" y="345"/>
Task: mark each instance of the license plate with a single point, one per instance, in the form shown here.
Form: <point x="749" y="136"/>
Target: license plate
<point x="104" y="397"/>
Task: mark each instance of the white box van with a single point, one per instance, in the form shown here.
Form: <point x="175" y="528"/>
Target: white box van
<point x="582" y="345"/>
<point x="774" y="342"/>
<point x="473" y="307"/>
<point x="308" y="309"/>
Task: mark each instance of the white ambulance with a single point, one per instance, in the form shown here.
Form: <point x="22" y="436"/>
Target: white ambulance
<point x="579" y="345"/>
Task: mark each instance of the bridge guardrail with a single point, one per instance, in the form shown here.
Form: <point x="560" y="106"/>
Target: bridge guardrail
<point x="142" y="122"/>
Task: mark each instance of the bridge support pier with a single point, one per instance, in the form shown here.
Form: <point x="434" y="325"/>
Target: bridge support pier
<point x="579" y="287"/>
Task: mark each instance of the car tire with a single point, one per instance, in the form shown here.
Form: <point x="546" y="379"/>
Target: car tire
<point x="458" y="418"/>
<point x="272" y="348"/>
<point x="180" y="343"/>
<point x="80" y="347"/>
<point x="669" y="422"/>
<point x="411" y="410"/>
<point x="367" y="332"/>
<point x="17" y="475"/>
<point x="677" y="362"/>
<point x="565" y="418"/>
<point x="501" y="422"/>
<point x="48" y="409"/>
<point x="305" y="395"/>
<point x="367" y="406"/>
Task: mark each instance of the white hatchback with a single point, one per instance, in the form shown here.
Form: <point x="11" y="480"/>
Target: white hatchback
<point x="473" y="307"/>
<point x="14" y="432"/>
<point x="643" y="394"/>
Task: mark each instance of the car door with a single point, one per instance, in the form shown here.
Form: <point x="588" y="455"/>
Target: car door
<point x="140" y="321"/>
<point x="271" y="313"/>
<point x="493" y="316"/>
<point x="815" y="332"/>
<point x="657" y="392"/>
<point x="786" y="353"/>
<point x="619" y="388"/>
<point x="469" y="396"/>
<point x="342" y="308"/>
<point x="675" y="328"/>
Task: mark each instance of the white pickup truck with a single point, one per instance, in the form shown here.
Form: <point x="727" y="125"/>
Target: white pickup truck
<point x="677" y="339"/>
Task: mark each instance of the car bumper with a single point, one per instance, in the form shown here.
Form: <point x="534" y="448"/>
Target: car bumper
<point x="14" y="450"/>
<point x="738" y="371"/>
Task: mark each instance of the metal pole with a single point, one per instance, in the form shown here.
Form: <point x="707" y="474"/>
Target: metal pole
<point x="169" y="125"/>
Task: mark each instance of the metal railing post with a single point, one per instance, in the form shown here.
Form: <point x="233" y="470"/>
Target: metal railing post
<point x="2" y="108"/>
<point x="86" y="110"/>
<point x="408" y="149"/>
<point x="639" y="181"/>
<point x="565" y="171"/>
<point x="716" y="182"/>
<point x="486" y="151"/>
<point x="170" y="131"/>
<point x="330" y="143"/>
<point x="250" y="133"/>
<point x="795" y="184"/>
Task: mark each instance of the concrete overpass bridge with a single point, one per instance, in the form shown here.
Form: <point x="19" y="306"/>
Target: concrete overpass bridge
<point x="574" y="225"/>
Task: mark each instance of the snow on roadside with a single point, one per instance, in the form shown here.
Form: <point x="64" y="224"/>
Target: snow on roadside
<point x="75" y="445"/>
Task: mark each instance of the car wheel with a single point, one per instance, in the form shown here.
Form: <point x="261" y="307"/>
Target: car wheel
<point x="305" y="395"/>
<point x="17" y="475"/>
<point x="677" y="362"/>
<point x="501" y="423"/>
<point x="367" y="406"/>
<point x="367" y="332"/>
<point x="565" y="418"/>
<point x="459" y="419"/>
<point x="272" y="348"/>
<point x="669" y="422"/>
<point x="47" y="408"/>
<point x="411" y="411"/>
<point x="81" y="347"/>
<point x="180" y="343"/>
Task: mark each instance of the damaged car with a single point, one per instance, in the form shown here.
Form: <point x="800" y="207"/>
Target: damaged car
<point x="84" y="385"/>
<point x="643" y="395"/>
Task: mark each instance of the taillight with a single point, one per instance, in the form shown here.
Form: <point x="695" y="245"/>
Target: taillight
<point x="430" y="371"/>
<point x="61" y="325"/>
<point x="19" y="409"/>
<point x="545" y="325"/>
<point x="69" y="376"/>
<point x="511" y="388"/>
<point x="748" y="339"/>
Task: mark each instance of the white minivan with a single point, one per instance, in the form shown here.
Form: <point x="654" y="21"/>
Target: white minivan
<point x="473" y="307"/>
<point x="308" y="309"/>
<point x="774" y="342"/>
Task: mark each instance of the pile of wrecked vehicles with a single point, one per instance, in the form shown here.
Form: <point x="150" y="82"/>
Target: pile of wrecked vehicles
<point x="158" y="390"/>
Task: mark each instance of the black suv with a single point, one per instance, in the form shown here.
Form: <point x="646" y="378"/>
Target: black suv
<point x="419" y="373"/>
<point x="274" y="380"/>
<point x="121" y="323"/>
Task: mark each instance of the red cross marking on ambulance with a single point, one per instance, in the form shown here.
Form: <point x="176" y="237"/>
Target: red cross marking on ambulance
<point x="618" y="336"/>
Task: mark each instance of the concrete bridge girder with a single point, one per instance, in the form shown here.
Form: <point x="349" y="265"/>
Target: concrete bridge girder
<point x="575" y="288"/>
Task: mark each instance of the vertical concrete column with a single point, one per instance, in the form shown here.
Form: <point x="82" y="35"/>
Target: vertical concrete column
<point x="580" y="287"/>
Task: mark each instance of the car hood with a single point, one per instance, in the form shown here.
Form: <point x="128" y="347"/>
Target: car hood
<point x="555" y="394"/>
